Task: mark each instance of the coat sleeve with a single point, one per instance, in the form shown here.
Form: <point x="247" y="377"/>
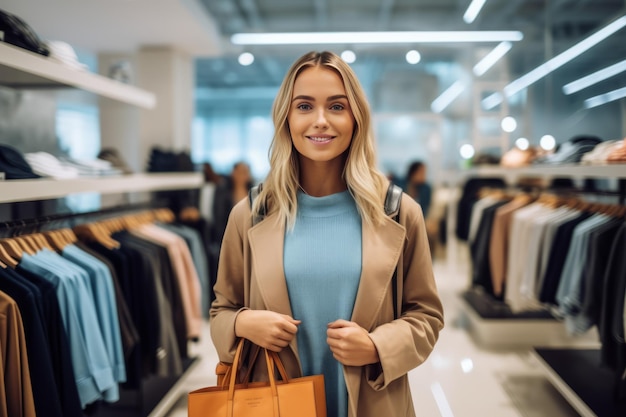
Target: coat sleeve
<point x="405" y="343"/>
<point x="231" y="288"/>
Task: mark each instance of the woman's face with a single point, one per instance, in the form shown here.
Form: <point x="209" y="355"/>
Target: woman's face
<point x="320" y="119"/>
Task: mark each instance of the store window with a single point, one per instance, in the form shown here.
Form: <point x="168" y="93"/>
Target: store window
<point x="78" y="133"/>
<point x="223" y="137"/>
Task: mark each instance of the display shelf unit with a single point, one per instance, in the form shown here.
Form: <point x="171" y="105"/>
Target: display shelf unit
<point x="575" y="373"/>
<point x="579" y="377"/>
<point x="42" y="189"/>
<point x="548" y="171"/>
<point x="492" y="324"/>
<point x="22" y="69"/>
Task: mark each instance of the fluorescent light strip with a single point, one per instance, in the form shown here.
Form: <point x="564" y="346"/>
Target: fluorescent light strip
<point x="492" y="101"/>
<point x="491" y="58"/>
<point x="594" y="78"/>
<point x="472" y="10"/>
<point x="440" y="103"/>
<point x="605" y="98"/>
<point x="563" y="58"/>
<point x="309" y="38"/>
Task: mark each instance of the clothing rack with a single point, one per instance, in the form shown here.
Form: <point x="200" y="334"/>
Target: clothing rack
<point x="35" y="224"/>
<point x="579" y="386"/>
<point x="155" y="394"/>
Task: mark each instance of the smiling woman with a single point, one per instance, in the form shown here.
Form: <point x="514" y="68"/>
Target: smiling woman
<point x="313" y="279"/>
<point x="321" y="124"/>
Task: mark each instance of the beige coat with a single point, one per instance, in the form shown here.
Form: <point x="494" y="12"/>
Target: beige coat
<point x="250" y="275"/>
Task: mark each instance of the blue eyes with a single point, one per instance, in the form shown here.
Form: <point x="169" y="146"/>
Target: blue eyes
<point x="334" y="107"/>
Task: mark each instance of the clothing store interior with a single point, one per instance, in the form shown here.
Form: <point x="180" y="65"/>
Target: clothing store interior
<point x="129" y="129"/>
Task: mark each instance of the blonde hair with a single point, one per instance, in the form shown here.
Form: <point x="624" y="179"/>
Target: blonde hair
<point x="365" y="182"/>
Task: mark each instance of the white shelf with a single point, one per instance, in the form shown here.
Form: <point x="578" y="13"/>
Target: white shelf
<point x="549" y="171"/>
<point x="565" y="170"/>
<point x="20" y="68"/>
<point x="42" y="189"/>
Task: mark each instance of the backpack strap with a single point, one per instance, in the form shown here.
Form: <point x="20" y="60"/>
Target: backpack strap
<point x="253" y="193"/>
<point x="392" y="208"/>
<point x="392" y="201"/>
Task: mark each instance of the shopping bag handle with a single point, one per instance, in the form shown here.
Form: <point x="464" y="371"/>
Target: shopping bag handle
<point x="272" y="361"/>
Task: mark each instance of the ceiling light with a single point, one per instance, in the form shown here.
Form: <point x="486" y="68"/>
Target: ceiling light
<point x="467" y="151"/>
<point x="605" y="98"/>
<point x="348" y="56"/>
<point x="508" y="124"/>
<point x="413" y="57"/>
<point x="491" y="58"/>
<point x="594" y="78"/>
<point x="246" y="59"/>
<point x="440" y="103"/>
<point x="320" y="38"/>
<point x="492" y="101"/>
<point x="472" y="10"/>
<point x="522" y="143"/>
<point x="564" y="57"/>
<point x="547" y="142"/>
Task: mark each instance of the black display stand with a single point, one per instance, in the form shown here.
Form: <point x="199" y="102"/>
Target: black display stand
<point x="583" y="382"/>
<point x="141" y="402"/>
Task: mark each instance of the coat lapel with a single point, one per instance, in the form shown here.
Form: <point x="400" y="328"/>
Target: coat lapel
<point x="382" y="246"/>
<point x="266" y="244"/>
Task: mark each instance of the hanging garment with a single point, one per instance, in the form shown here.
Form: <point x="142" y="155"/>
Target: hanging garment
<point x="16" y="384"/>
<point x="499" y="242"/>
<point x="93" y="372"/>
<point x="571" y="292"/>
<point x="44" y="388"/>
<point x="103" y="295"/>
<point x="58" y="343"/>
<point x="166" y="359"/>
<point x="558" y="253"/>
<point x="597" y="257"/>
<point x="185" y="272"/>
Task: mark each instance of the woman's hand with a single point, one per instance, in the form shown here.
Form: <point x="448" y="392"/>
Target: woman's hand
<point x="267" y="329"/>
<point x="351" y="344"/>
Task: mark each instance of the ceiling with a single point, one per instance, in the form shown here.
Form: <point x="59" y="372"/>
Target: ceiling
<point x="203" y="29"/>
<point x="549" y="27"/>
<point x="121" y="26"/>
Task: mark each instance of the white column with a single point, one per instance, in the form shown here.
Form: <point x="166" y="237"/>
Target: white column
<point x="119" y="122"/>
<point x="169" y="73"/>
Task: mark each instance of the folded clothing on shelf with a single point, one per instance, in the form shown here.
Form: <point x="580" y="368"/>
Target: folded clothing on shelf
<point x="48" y="165"/>
<point x="601" y="152"/>
<point x="15" y="31"/>
<point x="516" y="157"/>
<point x="113" y="156"/>
<point x="618" y="153"/>
<point x="92" y="167"/>
<point x="64" y="53"/>
<point x="14" y="165"/>
<point x="570" y="151"/>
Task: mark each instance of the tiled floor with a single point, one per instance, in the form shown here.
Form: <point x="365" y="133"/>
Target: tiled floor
<point x="459" y="379"/>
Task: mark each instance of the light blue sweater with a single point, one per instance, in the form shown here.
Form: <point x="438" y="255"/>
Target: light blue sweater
<point x="323" y="267"/>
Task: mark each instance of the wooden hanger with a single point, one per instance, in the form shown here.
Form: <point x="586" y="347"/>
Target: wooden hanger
<point x="95" y="232"/>
<point x="25" y="244"/>
<point x="56" y="240"/>
<point x="7" y="259"/>
<point x="69" y="235"/>
<point x="12" y="249"/>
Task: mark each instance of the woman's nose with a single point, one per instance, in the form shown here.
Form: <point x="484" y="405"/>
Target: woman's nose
<point x="320" y="120"/>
